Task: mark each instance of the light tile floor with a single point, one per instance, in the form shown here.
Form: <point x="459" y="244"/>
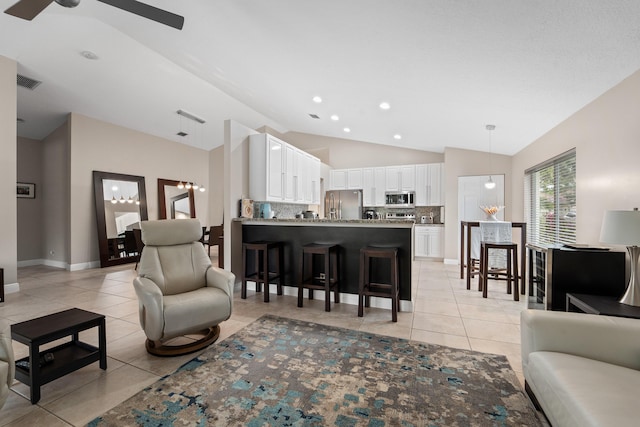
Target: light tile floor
<point x="445" y="313"/>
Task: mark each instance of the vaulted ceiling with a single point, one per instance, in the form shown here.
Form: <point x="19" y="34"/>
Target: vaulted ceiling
<point x="446" y="68"/>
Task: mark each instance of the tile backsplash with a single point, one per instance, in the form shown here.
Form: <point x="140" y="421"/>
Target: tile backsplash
<point x="283" y="210"/>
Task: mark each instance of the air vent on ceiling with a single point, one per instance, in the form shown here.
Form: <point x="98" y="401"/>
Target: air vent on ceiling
<point x="314" y="116"/>
<point x="27" y="82"/>
<point x="182" y="133"/>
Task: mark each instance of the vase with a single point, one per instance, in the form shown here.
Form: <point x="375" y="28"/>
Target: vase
<point x="492" y="217"/>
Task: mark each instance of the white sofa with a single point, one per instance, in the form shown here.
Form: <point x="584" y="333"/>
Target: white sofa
<point x="7" y="366"/>
<point x="582" y="369"/>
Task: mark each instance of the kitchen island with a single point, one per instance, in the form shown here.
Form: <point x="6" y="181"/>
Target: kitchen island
<point x="351" y="235"/>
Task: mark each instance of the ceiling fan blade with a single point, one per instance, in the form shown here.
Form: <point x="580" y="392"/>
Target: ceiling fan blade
<point x="28" y="9"/>
<point x="147" y="11"/>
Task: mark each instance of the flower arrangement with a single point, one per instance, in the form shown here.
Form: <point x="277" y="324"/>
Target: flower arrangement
<point x="491" y="210"/>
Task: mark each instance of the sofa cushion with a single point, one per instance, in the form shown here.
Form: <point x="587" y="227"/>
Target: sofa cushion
<point x="580" y="392"/>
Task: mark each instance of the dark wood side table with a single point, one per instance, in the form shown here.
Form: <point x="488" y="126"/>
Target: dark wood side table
<point x="68" y="357"/>
<point x="603" y="305"/>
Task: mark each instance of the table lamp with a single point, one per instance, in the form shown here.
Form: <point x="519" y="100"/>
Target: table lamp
<point x="623" y="228"/>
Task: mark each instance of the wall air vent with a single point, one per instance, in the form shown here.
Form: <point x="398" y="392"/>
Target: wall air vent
<point x="20" y="120"/>
<point x="314" y="116"/>
<point x="27" y="82"/>
<point x="182" y="133"/>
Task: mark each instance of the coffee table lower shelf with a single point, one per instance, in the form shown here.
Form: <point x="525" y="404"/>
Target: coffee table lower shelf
<point x="68" y="357"/>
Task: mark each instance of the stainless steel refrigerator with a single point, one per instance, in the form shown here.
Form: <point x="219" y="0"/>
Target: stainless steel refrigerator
<point x="343" y="204"/>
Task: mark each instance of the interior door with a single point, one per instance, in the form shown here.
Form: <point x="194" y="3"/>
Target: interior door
<point x="472" y="194"/>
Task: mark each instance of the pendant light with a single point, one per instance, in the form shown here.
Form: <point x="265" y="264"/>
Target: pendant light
<point x="490" y="184"/>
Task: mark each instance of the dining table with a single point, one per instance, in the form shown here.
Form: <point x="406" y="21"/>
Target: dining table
<point x="465" y="250"/>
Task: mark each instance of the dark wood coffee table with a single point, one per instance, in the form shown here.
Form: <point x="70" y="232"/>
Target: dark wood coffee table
<point x="68" y="357"/>
<point x="602" y="305"/>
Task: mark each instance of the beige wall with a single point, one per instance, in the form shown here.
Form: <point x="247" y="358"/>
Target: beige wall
<point x="29" y="169"/>
<point x="216" y="185"/>
<point x="97" y="145"/>
<point x="8" y="131"/>
<point x="459" y="163"/>
<point x="55" y="193"/>
<point x="344" y="153"/>
<point x="236" y="178"/>
<point x="606" y="135"/>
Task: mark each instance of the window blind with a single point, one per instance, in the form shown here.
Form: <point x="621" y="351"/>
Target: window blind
<point x="550" y="201"/>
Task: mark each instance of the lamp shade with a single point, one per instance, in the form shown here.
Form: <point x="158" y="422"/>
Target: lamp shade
<point x="621" y="228"/>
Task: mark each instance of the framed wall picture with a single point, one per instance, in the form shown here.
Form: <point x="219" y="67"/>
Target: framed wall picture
<point x="26" y="190"/>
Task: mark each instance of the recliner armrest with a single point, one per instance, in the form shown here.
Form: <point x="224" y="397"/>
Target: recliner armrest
<point x="614" y="340"/>
<point x="6" y="351"/>
<point x="222" y="279"/>
<point x="151" y="299"/>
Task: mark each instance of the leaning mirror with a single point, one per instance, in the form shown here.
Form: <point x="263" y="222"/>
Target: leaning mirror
<point x="174" y="202"/>
<point x="121" y="204"/>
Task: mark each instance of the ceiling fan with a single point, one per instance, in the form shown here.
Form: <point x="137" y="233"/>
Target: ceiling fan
<point x="29" y="9"/>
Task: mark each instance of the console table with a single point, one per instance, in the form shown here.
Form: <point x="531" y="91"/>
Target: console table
<point x="68" y="357"/>
<point x="603" y="305"/>
<point x="465" y="250"/>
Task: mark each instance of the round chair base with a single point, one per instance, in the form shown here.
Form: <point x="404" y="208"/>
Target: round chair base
<point x="158" y="349"/>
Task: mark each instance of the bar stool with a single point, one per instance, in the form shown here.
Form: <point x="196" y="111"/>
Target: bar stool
<point x="325" y="279"/>
<point x="510" y="274"/>
<point x="261" y="274"/>
<point x="367" y="288"/>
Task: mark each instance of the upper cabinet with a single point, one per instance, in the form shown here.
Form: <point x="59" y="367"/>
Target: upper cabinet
<point x="427" y="180"/>
<point x="345" y="179"/>
<point x="401" y="178"/>
<point x="280" y="172"/>
<point x="373" y="183"/>
<point x="430" y="184"/>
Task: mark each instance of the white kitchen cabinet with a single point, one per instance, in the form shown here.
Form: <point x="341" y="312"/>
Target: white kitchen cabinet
<point x="338" y="179"/>
<point x="313" y="180"/>
<point x="354" y="179"/>
<point x="279" y="172"/>
<point x="289" y="173"/>
<point x="428" y="241"/>
<point x="373" y="186"/>
<point x="429" y="184"/>
<point x="400" y="178"/>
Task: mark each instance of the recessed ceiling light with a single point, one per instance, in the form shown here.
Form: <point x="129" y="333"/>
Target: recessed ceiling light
<point x="384" y="105"/>
<point x="317" y="99"/>
<point x="89" y="55"/>
<point x="347" y="130"/>
<point x="335" y="117"/>
<point x="397" y="136"/>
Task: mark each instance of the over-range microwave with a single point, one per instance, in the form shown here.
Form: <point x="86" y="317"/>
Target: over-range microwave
<point x="400" y="199"/>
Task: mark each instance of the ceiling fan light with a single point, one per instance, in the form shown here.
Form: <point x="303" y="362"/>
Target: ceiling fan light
<point x="68" y="3"/>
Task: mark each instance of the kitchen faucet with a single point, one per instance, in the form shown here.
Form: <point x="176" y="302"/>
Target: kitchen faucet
<point x="332" y="208"/>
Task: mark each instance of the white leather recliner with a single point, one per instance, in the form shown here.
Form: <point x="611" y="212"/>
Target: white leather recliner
<point x="178" y="289"/>
<point x="7" y="365"/>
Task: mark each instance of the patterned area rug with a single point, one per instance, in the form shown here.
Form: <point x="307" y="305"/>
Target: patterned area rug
<point x="282" y="372"/>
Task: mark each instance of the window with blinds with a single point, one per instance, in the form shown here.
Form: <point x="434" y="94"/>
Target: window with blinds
<point x="550" y="201"/>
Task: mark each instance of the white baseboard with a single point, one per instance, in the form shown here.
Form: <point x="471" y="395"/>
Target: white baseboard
<point x="351" y="299"/>
<point x="30" y="262"/>
<point x="59" y="264"/>
<point x="84" y="265"/>
<point x="10" y="288"/>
